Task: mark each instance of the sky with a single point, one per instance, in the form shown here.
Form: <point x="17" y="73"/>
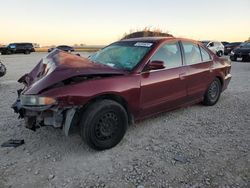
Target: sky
<point x="100" y="22"/>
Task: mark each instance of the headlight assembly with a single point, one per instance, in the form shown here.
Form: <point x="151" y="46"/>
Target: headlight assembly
<point x="32" y="100"/>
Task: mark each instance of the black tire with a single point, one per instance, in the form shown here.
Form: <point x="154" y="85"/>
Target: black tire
<point x="104" y="124"/>
<point x="26" y="52"/>
<point x="232" y="58"/>
<point x="245" y="59"/>
<point x="2" y="69"/>
<point x="213" y="93"/>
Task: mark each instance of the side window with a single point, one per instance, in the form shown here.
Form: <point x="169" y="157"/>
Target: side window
<point x="19" y="46"/>
<point x="192" y="53"/>
<point x="170" y="54"/>
<point x="12" y="46"/>
<point x="217" y="44"/>
<point x="205" y="55"/>
<point x="211" y="44"/>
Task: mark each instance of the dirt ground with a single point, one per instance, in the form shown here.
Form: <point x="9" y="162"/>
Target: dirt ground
<point x="196" y="146"/>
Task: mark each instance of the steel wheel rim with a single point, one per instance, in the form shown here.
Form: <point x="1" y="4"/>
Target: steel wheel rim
<point x="106" y="126"/>
<point x="213" y="91"/>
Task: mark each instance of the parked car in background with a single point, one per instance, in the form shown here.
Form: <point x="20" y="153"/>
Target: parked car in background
<point x="2" y="69"/>
<point x="225" y="43"/>
<point x="15" y="48"/>
<point x="63" y="48"/>
<point x="124" y="82"/>
<point x="242" y="53"/>
<point x="229" y="47"/>
<point x="215" y="46"/>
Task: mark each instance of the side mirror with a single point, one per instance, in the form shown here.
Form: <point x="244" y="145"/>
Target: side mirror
<point x="155" y="65"/>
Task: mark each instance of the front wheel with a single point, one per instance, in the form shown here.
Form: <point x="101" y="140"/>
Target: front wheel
<point x="232" y="58"/>
<point x="213" y="92"/>
<point x="104" y="124"/>
<point x="220" y="53"/>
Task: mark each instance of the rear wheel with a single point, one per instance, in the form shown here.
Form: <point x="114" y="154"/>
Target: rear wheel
<point x="104" y="124"/>
<point x="26" y="52"/>
<point x="213" y="92"/>
<point x="2" y="69"/>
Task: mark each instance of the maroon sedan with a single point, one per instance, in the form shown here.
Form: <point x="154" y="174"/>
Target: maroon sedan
<point x="126" y="81"/>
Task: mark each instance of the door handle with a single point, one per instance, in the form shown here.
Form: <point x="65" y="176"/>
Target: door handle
<point x="182" y="76"/>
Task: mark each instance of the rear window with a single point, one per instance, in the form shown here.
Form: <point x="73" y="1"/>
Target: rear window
<point x="205" y="55"/>
<point x="26" y="45"/>
<point x="218" y="44"/>
<point x="192" y="53"/>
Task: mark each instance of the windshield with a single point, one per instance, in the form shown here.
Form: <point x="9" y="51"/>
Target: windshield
<point x="122" y="55"/>
<point x="234" y="44"/>
<point x="246" y="45"/>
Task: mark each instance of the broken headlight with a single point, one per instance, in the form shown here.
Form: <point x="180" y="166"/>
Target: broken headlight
<point x="32" y="100"/>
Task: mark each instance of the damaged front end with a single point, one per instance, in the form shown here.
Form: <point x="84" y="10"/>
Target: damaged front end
<point x="43" y="111"/>
<point x="47" y="99"/>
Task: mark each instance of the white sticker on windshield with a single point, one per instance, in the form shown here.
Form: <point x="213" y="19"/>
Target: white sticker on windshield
<point x="111" y="64"/>
<point x="143" y="44"/>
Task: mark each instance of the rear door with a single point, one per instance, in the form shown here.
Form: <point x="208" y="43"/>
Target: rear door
<point x="166" y="88"/>
<point x="19" y="48"/>
<point x="199" y="70"/>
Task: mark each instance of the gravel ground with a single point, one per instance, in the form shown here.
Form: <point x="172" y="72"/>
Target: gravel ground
<point x="196" y="146"/>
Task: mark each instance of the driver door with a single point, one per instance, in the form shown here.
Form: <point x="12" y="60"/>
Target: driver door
<point x="164" y="89"/>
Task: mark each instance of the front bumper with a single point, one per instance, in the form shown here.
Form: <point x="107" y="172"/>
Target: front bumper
<point x="38" y="116"/>
<point x="243" y="56"/>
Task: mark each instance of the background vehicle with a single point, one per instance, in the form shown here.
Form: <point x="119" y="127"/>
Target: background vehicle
<point x="225" y="43"/>
<point x="229" y="47"/>
<point x="74" y="91"/>
<point x="64" y="48"/>
<point x="2" y="69"/>
<point x="215" y="46"/>
<point x="14" y="48"/>
<point x="242" y="53"/>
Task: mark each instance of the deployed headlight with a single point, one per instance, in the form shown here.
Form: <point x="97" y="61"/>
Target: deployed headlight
<point x="232" y="52"/>
<point x="32" y="100"/>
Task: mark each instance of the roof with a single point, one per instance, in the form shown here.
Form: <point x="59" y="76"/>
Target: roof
<point x="157" y="39"/>
<point x="147" y="39"/>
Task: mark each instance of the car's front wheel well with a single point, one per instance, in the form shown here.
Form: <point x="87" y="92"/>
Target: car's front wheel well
<point x="115" y="98"/>
<point x="221" y="81"/>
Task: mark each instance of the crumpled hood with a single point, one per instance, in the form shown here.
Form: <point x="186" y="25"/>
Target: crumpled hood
<point x="59" y="66"/>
